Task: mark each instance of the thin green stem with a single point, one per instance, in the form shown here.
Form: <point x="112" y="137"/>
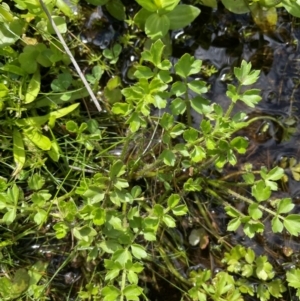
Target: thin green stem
<point x="241" y="197"/>
<point x="188" y="106"/>
<point x="123" y="284"/>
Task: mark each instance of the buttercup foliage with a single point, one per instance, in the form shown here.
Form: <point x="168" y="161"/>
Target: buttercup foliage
<point x="116" y="200"/>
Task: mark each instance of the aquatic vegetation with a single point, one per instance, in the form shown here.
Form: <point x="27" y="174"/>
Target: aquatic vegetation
<point x="109" y="205"/>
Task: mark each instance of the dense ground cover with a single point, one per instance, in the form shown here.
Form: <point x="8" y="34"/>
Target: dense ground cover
<point x="148" y="187"/>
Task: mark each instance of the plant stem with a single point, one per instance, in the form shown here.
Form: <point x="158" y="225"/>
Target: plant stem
<point x="188" y="106"/>
<point x="242" y="198"/>
<point x="123" y="284"/>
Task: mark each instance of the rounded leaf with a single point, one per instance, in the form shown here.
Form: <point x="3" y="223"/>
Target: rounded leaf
<point x="269" y="3"/>
<point x="157" y="26"/>
<point x="237" y="7"/>
<point x="182" y="16"/>
<point x="116" y="9"/>
<point x="149" y="5"/>
<point x="293" y="7"/>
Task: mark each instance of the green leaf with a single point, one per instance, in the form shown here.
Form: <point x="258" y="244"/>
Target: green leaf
<point x="252" y="227"/>
<point x="18" y="151"/>
<point x="240" y="144"/>
<point x="138" y="251"/>
<point x="141" y="17"/>
<point x="3" y="92"/>
<point x="285" y="206"/>
<point x="264" y="269"/>
<point x="249" y="178"/>
<point x="250" y="256"/>
<point x="292" y="224"/>
<point x="72" y="126"/>
<point x="99" y="216"/>
<point x="122" y="256"/>
<point x="173" y="200"/>
<point x="187" y="65"/>
<point x="254" y="211"/>
<point x="121" y="108"/>
<point x="64" y="111"/>
<point x="27" y="60"/>
<point x="182" y="15"/>
<point x="40" y="217"/>
<point x="201" y="105"/>
<point x="245" y="75"/>
<point x="84" y="233"/>
<point x="110" y="275"/>
<point x="132" y="277"/>
<point x="68" y="210"/>
<point x="135" y="122"/>
<point x="62" y="82"/>
<point x="109" y="246"/>
<point x="178" y="106"/>
<point x="5" y="13"/>
<point x="143" y="72"/>
<point x="168" y="157"/>
<point x="293" y="7"/>
<point x="167" y="5"/>
<point x="198" y="154"/>
<point x="209" y="3"/>
<point x="232" y="93"/>
<point x="293" y="278"/>
<point x="95" y="193"/>
<point x="132" y="292"/>
<point x="5" y="287"/>
<point x="166" y="121"/>
<point x="10" y="32"/>
<point x="121" y="183"/>
<point x="232" y="211"/>
<point x="61" y="230"/>
<point x="157" y="26"/>
<point x="36" y="271"/>
<point x="36" y="121"/>
<point x="155" y="54"/>
<point x="198" y="86"/>
<point x="116" y="9"/>
<point x="20" y="282"/>
<point x="33" y="88"/>
<point x="110" y="293"/>
<point x="178" y="88"/>
<point x="158" y="210"/>
<point x="180" y="210"/>
<point x="260" y="191"/>
<point x="274" y="175"/>
<point x="38" y="139"/>
<point x="237" y="7"/>
<point x="136" y="191"/>
<point x="192" y="185"/>
<point x="169" y="221"/>
<point x="148" y="5"/>
<point x="190" y="135"/>
<point x="60" y="23"/>
<point x="277" y="225"/>
<point x="36" y="182"/>
<point x="251" y="97"/>
<point x="234" y="224"/>
<point x="97" y="2"/>
<point x="177" y="130"/>
<point x="117" y="169"/>
<point x="97" y="72"/>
